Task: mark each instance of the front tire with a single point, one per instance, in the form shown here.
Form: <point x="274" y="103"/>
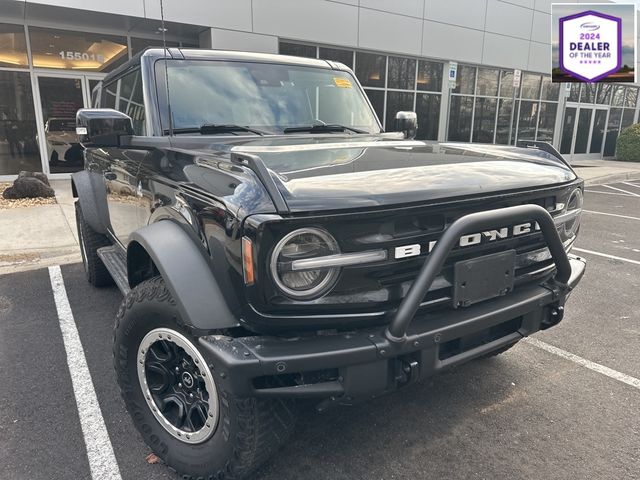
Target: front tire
<point x="238" y="434"/>
<point x="90" y="241"/>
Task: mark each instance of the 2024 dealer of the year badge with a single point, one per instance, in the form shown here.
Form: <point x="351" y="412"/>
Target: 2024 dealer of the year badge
<point x="590" y="45"/>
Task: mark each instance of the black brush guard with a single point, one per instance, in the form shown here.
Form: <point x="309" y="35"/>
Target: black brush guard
<point x="372" y="361"/>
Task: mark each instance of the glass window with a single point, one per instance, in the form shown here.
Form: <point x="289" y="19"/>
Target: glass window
<point x="428" y="111"/>
<point x="618" y="96"/>
<point x="466" y="79"/>
<point x="297" y="50"/>
<point x="139" y="44"/>
<point x="484" y="118"/>
<point x="613" y="127"/>
<point x="265" y="96"/>
<point x="598" y="130"/>
<point x="574" y="92"/>
<point x="396" y="102"/>
<point x="76" y="50"/>
<point x="487" y="82"/>
<point x="627" y="117"/>
<point x="370" y="69"/>
<point x="504" y="116"/>
<point x="530" y="87"/>
<point x="131" y="101"/>
<point x="568" y="126"/>
<point x="582" y="130"/>
<point x="632" y="97"/>
<point x="460" y="118"/>
<point x="603" y="95"/>
<point x="547" y="121"/>
<point x="337" y="55"/>
<point x="527" y="120"/>
<point x="550" y="90"/>
<point x="588" y="93"/>
<point x="18" y="144"/>
<point x="376" y="97"/>
<point x="430" y="76"/>
<point x="506" y="83"/>
<point x="13" y="46"/>
<point x="402" y="73"/>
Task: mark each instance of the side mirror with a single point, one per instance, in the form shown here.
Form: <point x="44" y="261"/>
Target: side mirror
<point x="407" y="123"/>
<point x="102" y="127"/>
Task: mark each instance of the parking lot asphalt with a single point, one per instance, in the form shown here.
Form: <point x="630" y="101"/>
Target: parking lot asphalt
<point x="527" y="414"/>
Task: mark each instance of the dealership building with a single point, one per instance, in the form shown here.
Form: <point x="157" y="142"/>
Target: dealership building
<point x="53" y="52"/>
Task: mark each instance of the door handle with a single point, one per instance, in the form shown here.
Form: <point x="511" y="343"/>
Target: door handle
<point x="110" y="176"/>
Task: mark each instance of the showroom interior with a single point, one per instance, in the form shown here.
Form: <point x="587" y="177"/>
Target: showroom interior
<point x="53" y="53"/>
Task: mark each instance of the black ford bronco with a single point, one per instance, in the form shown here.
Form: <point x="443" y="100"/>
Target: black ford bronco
<point x="274" y="244"/>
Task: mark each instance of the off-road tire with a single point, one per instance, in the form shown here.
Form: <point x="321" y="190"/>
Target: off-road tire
<point x="90" y="241"/>
<point x="249" y="430"/>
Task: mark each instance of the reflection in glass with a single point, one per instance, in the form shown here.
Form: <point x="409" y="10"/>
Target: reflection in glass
<point x="504" y="116"/>
<point x="402" y="73"/>
<point x="550" y="90"/>
<point x="484" y="118"/>
<point x="376" y="97"/>
<point x="506" y="83"/>
<point x="631" y="98"/>
<point x="297" y="50"/>
<point x="613" y="127"/>
<point x="337" y="55"/>
<point x="627" y="117"/>
<point x="603" y="95"/>
<point x="370" y="69"/>
<point x="547" y="121"/>
<point x="13" y="46"/>
<point x="588" y="93"/>
<point x="574" y="92"/>
<point x="76" y="50"/>
<point x="397" y="102"/>
<point x="527" y="120"/>
<point x="597" y="134"/>
<point x="466" y="79"/>
<point x="530" y="87"/>
<point x="430" y="76"/>
<point x="567" y="129"/>
<point x="487" y="82"/>
<point x="428" y="111"/>
<point x="582" y="130"/>
<point x="618" y="96"/>
<point x="460" y="118"/>
<point x="61" y="98"/>
<point x="18" y="145"/>
<point x="131" y="101"/>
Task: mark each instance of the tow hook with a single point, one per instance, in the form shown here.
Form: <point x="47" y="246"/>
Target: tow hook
<point x="408" y="372"/>
<point x="556" y="313"/>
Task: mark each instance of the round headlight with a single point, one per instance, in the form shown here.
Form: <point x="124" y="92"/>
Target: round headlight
<point x="301" y="244"/>
<point x="574" y="212"/>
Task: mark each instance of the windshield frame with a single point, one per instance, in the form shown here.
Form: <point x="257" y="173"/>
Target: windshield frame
<point x="163" y="107"/>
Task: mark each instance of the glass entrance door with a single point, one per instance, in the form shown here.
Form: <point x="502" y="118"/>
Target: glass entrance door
<point x="583" y="132"/>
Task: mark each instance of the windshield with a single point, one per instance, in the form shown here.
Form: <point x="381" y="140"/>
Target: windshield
<point x="263" y="96"/>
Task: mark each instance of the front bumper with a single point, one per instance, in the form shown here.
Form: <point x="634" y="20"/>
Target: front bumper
<point x="349" y="367"/>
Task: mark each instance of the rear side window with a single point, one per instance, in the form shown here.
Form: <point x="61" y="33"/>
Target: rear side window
<point x="125" y="95"/>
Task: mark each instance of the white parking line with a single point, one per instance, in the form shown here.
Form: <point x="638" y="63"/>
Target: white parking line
<point x="631" y="184"/>
<point x="610" y="193"/>
<point x="633" y="194"/>
<point x="612" y="215"/>
<point x="596" y="367"/>
<point x="102" y="460"/>
<point x="606" y="255"/>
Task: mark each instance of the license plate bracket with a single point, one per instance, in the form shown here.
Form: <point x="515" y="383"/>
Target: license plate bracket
<point x="483" y="278"/>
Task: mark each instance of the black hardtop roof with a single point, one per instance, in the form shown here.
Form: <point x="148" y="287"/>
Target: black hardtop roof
<point x="222" y="55"/>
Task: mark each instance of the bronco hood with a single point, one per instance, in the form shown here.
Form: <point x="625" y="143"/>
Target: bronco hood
<point x="338" y="173"/>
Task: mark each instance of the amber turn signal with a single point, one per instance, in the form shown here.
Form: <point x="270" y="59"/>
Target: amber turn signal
<point x="247" y="261"/>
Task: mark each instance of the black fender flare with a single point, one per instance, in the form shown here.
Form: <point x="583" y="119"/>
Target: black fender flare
<point x="91" y="192"/>
<point x="185" y="269"/>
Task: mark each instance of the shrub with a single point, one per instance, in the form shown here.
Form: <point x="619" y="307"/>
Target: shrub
<point x="628" y="144"/>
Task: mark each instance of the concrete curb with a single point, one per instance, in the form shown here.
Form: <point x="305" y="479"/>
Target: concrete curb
<point x="613" y="178"/>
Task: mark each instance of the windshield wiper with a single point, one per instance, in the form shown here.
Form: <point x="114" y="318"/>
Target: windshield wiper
<point x="213" y="128"/>
<point x="322" y="128"/>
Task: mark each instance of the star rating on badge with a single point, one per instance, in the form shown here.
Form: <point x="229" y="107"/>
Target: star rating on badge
<point x="591" y="61"/>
